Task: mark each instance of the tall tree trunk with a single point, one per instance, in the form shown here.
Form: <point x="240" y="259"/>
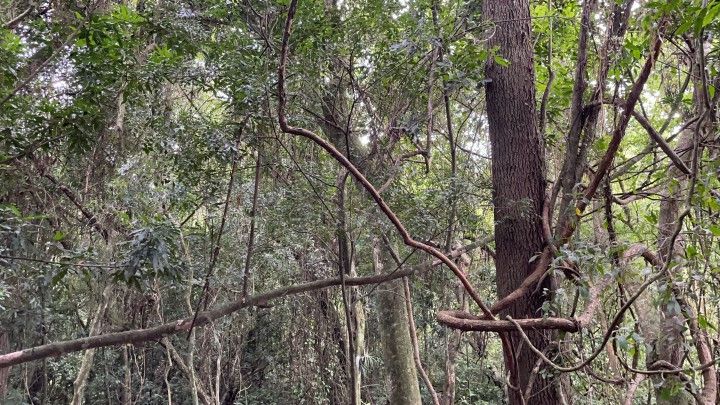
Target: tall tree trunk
<point x="127" y="379"/>
<point x="395" y="335"/>
<point x="394" y="331"/>
<point x="4" y="372"/>
<point x="86" y="364"/>
<point x="454" y="339"/>
<point x="190" y="359"/>
<point x="518" y="175"/>
<point x="359" y="315"/>
<point x="669" y="346"/>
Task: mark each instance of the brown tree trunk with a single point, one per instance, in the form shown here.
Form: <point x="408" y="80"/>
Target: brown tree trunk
<point x="518" y="175"/>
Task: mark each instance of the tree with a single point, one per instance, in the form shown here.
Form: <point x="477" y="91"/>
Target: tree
<point x="518" y="174"/>
<point x="363" y="201"/>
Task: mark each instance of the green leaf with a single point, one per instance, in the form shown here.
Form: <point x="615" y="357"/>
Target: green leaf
<point x="501" y="61"/>
<point x="699" y="21"/>
<point x="58" y="236"/>
<point x="684" y="27"/>
<point x="704" y="324"/>
<point x="13" y="210"/>
<point x="710" y="16"/>
<point x="622" y="342"/>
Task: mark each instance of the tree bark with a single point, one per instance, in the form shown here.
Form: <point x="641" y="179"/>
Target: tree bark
<point x="518" y="176"/>
<point x="82" y="376"/>
<point x="4" y="371"/>
<point x="395" y="336"/>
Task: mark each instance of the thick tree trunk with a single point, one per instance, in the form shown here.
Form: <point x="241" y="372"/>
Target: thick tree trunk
<point x="518" y="172"/>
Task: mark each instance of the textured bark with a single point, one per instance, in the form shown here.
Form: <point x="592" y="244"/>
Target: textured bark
<point x="518" y="175"/>
<point x="395" y="335"/>
<point x="4" y="371"/>
<point x="570" y="175"/>
<point x="453" y="346"/>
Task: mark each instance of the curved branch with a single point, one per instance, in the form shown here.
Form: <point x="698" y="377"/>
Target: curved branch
<point x="15" y="21"/>
<point x="468" y="322"/>
<point x="364" y="182"/>
<point x="654" y="135"/>
<point x="603" y="167"/>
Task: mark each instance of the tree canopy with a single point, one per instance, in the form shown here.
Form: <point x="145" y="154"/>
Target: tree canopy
<point x="359" y="201"/>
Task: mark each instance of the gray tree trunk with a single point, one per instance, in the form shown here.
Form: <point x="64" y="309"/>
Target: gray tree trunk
<point x="395" y="335"/>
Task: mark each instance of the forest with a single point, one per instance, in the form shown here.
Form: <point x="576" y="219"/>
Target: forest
<point x="359" y="202"/>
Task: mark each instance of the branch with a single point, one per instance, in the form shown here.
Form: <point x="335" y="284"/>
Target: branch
<point x="495" y="325"/>
<point x="138" y="336"/>
<point x="603" y="167"/>
<point x="699" y="336"/>
<point x="654" y="135"/>
<point x="15" y="21"/>
<point x="468" y="322"/>
<point x="92" y="219"/>
<point x="345" y="162"/>
<point x="216" y="249"/>
<point x="40" y="67"/>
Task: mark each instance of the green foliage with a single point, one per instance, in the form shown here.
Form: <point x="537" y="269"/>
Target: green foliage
<point x="128" y="118"/>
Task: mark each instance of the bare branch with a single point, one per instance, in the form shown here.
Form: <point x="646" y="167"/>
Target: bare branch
<point x="138" y="336"/>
